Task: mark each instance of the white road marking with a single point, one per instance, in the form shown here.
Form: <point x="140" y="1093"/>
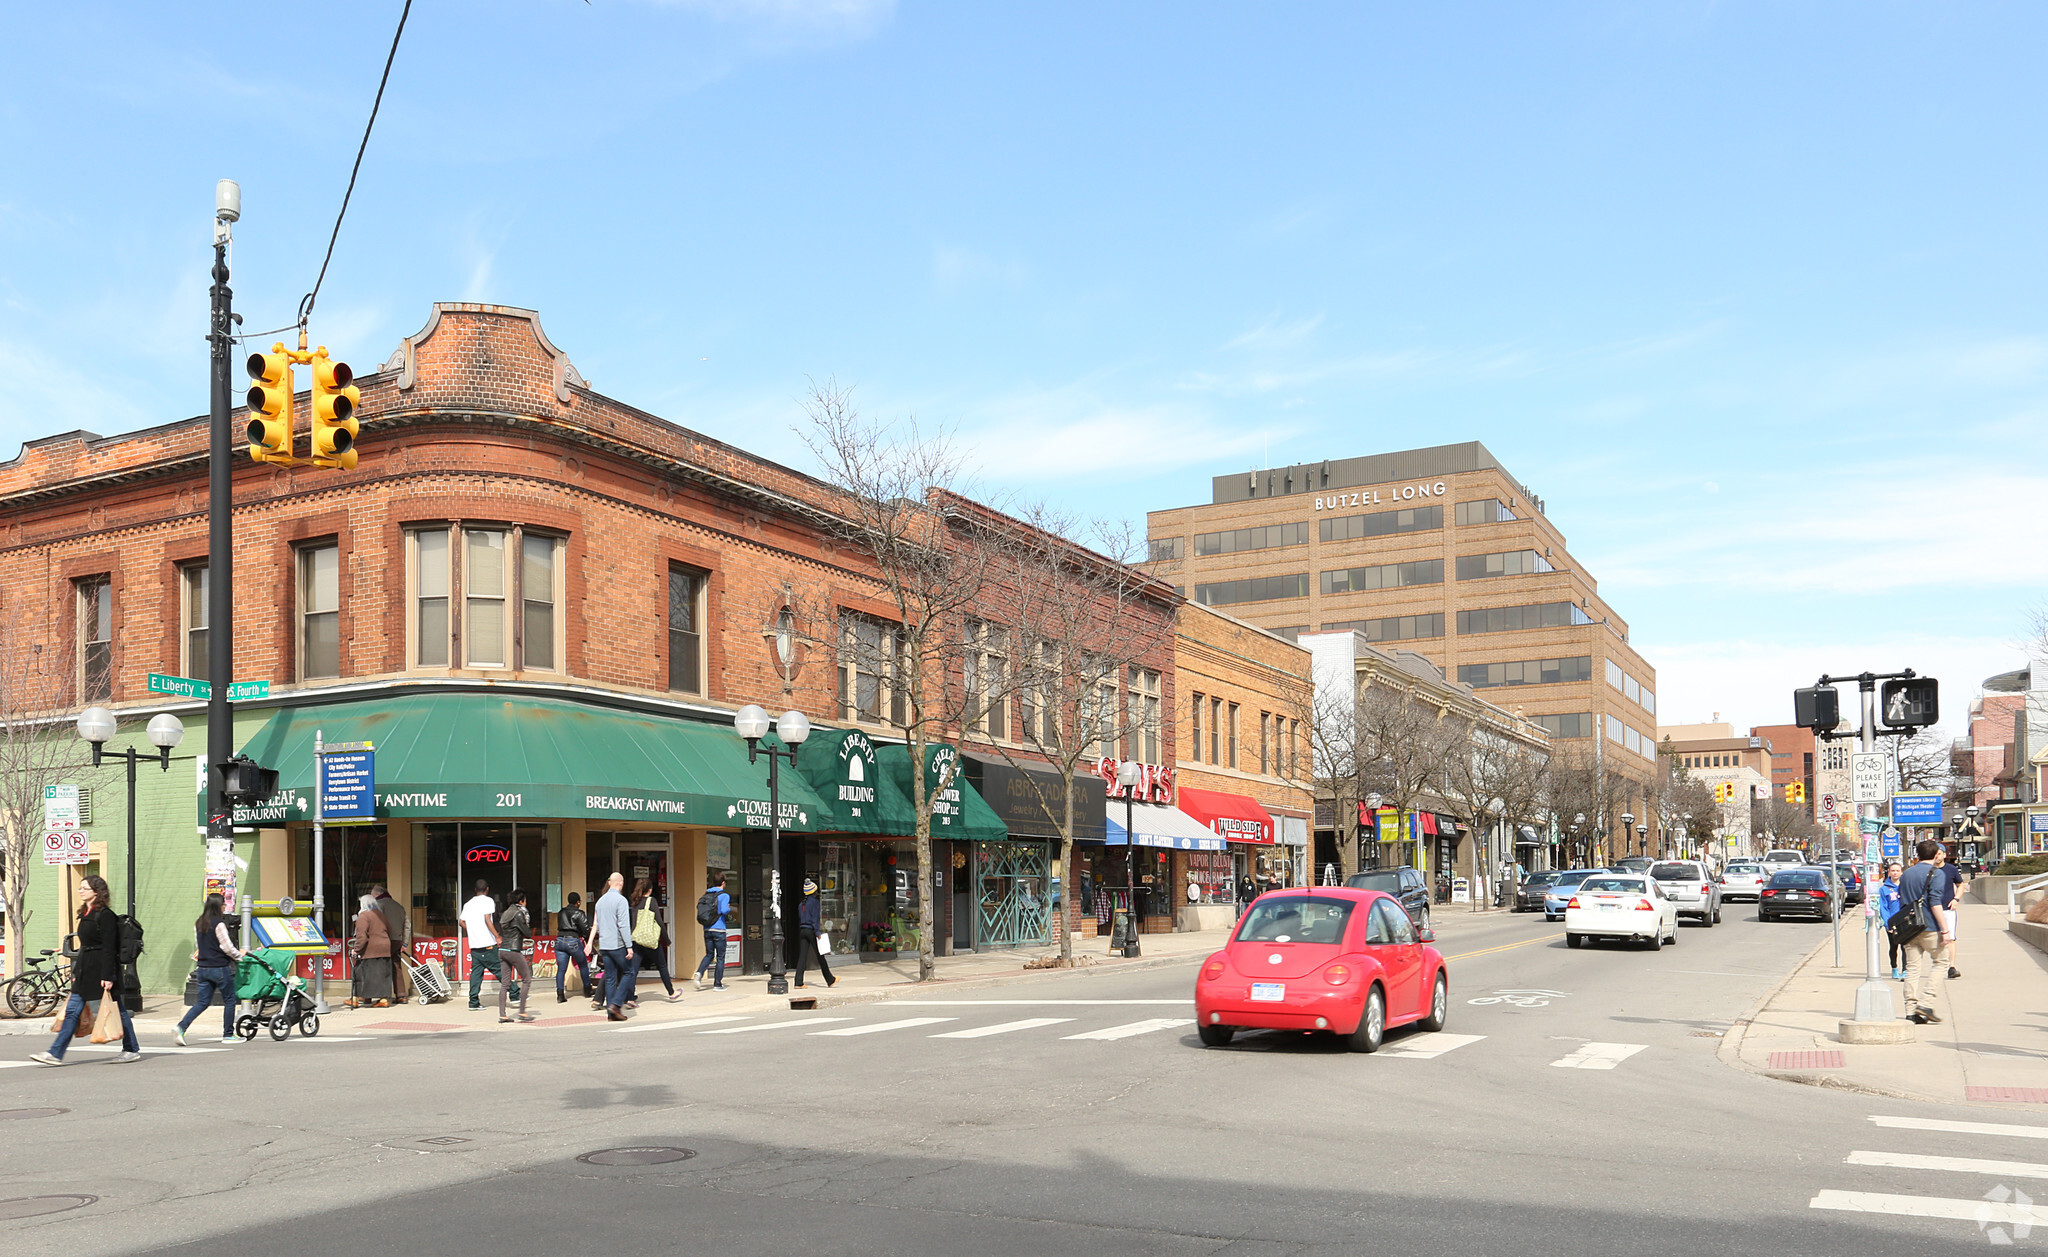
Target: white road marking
<point x="878" y="1027"/>
<point x="1030" y="1003"/>
<point x="982" y="1032"/>
<point x="776" y="1025"/>
<point x="1980" y="1210"/>
<point x="1427" y="1047"/>
<point x="112" y="1048"/>
<point x="16" y="1064"/>
<point x="676" y="1025"/>
<point x="1966" y="1165"/>
<point x="1134" y="1028"/>
<point x="1961" y="1128"/>
<point x="1599" y="1056"/>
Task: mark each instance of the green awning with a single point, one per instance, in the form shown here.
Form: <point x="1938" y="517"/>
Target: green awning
<point x="484" y="755"/>
<point x="865" y="789"/>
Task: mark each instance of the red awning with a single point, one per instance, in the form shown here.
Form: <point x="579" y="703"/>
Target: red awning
<point x="1235" y="816"/>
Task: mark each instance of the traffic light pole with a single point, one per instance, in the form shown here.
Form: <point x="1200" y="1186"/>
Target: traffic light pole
<point x="1874" y="1003"/>
<point x="220" y="584"/>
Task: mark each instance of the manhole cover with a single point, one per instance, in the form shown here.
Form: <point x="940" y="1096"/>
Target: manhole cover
<point x="7" y="1114"/>
<point x="37" y="1206"/>
<point x="636" y="1156"/>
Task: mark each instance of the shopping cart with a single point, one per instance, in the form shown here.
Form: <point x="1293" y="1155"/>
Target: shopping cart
<point x="429" y="981"/>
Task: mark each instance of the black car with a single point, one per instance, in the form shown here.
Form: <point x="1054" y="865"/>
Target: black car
<point x="1529" y="895"/>
<point x="1796" y="892"/>
<point x="1404" y="884"/>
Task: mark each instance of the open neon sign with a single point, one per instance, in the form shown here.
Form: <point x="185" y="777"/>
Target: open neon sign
<point x="489" y="855"/>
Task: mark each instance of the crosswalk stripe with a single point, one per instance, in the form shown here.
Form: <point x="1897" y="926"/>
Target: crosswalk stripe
<point x="111" y="1048"/>
<point x="1427" y="1047"/>
<point x="982" y="1032"/>
<point x="1134" y="1028"/>
<point x="1980" y="1211"/>
<point x="775" y="1025"/>
<point x="1031" y="1003"/>
<point x="905" y="1024"/>
<point x="1966" y="1165"/>
<point x="676" y="1025"/>
<point x="1961" y="1128"/>
<point x="1599" y="1056"/>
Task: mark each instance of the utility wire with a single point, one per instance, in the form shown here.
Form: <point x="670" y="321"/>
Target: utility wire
<point x="306" y="306"/>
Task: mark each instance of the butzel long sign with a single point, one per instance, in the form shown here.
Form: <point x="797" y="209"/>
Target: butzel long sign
<point x="1371" y="497"/>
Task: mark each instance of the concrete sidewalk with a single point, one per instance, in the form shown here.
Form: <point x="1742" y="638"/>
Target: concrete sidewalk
<point x="1991" y="1047"/>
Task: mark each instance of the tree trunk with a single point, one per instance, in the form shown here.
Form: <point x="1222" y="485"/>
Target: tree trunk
<point x="14" y="890"/>
<point x="1067" y="879"/>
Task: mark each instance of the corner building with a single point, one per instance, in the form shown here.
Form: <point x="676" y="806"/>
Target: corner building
<point x="1439" y="551"/>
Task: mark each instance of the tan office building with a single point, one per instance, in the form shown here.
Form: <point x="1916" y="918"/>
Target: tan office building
<point x="1440" y="551"/>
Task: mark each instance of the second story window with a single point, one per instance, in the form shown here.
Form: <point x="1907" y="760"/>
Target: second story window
<point x="540" y="628"/>
<point x="1144" y="715"/>
<point x="685" y="634"/>
<point x="1233" y="735"/>
<point x="96" y="639"/>
<point x="319" y="611"/>
<point x="868" y="661"/>
<point x="192" y="599"/>
<point x="485" y="634"/>
<point x="983" y="665"/>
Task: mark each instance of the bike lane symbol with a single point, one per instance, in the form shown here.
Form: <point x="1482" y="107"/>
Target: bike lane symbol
<point x="1521" y="997"/>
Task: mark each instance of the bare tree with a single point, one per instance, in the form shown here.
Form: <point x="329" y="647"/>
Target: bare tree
<point x="1680" y="800"/>
<point x="1584" y="796"/>
<point x="1404" y="743"/>
<point x="1488" y="777"/>
<point x="35" y="692"/>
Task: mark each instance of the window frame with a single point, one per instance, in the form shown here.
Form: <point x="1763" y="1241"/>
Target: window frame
<point x="414" y="634"/>
<point x="93" y="602"/>
<point x="193" y="603"/>
<point x="305" y="559"/>
<point x="984" y="672"/>
<point x="699" y="663"/>
<point x="885" y="654"/>
<point x="506" y="597"/>
<point x="557" y="622"/>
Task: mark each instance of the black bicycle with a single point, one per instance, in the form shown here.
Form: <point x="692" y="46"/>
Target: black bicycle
<point x="42" y="987"/>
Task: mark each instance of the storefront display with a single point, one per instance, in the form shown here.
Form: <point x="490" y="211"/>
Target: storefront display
<point x="1211" y="877"/>
<point x="1013" y="893"/>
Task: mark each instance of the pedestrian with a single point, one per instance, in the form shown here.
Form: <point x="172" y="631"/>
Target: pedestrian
<point x="611" y="941"/>
<point x="1921" y="887"/>
<point x="1954" y="873"/>
<point x="95" y="973"/>
<point x="572" y="923"/>
<point x="480" y="927"/>
<point x="1887" y="908"/>
<point x="647" y="924"/>
<point x="398" y="923"/>
<point x="712" y="909"/>
<point x="807" y="922"/>
<point x="372" y="949"/>
<point x="515" y="951"/>
<point x="1247" y="890"/>
<point x="213" y="969"/>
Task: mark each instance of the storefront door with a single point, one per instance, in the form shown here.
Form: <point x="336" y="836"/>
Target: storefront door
<point x="648" y="861"/>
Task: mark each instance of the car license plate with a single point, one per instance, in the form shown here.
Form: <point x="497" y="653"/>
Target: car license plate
<point x="1270" y="992"/>
<point x="1610" y="907"/>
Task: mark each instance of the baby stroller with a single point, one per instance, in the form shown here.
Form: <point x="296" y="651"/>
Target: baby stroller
<point x="265" y="980"/>
<point x="429" y="981"/>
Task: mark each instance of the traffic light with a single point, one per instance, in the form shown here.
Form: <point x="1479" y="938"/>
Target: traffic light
<point x="1817" y="707"/>
<point x="1911" y="704"/>
<point x="1795" y="792"/>
<point x="334" y="408"/>
<point x="270" y="406"/>
<point x="1724" y="791"/>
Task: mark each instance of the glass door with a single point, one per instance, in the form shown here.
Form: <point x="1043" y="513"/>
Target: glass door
<point x="646" y="863"/>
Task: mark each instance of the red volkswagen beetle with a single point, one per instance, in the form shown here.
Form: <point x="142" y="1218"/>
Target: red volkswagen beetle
<point x="1323" y="958"/>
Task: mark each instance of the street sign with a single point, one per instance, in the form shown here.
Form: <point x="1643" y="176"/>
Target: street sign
<point x="1891" y="844"/>
<point x="60" y="807"/>
<point x="1867" y="777"/>
<point x="348" y="785"/>
<point x="1921" y="807"/>
<point x="1827" y="803"/>
<point x="67" y="846"/>
<point x="188" y="687"/>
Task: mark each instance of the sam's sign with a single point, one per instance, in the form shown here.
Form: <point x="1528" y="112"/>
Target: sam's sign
<point x="1155" y="784"/>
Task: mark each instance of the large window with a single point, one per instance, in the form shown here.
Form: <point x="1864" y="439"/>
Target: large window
<point x="430" y="584"/>
<point x="1197" y="707"/>
<point x="1393" y="628"/>
<point x="1386" y="576"/>
<point x="984" y="666"/>
<point x="1266" y="537"/>
<point x="1381" y="523"/>
<point x="1509" y="619"/>
<point x="685" y="630"/>
<point x="1484" y="511"/>
<point x="540" y="626"/>
<point x="1097" y="712"/>
<point x="320" y="611"/>
<point x="1232" y="726"/>
<point x="1167" y="549"/>
<point x="487" y="636"/>
<point x="1144" y="701"/>
<point x="1575" y="725"/>
<point x="497" y="590"/>
<point x="1255" y="589"/>
<point x="1506" y="563"/>
<point x="96" y="639"/>
<point x="1526" y="672"/>
<point x="869" y="659"/>
<point x="1216" y="731"/>
<point x="192" y="601"/>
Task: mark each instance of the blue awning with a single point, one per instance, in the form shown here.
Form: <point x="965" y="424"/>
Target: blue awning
<point x="1162" y="826"/>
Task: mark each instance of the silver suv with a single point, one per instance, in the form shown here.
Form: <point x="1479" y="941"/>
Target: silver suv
<point x="1689" y="886"/>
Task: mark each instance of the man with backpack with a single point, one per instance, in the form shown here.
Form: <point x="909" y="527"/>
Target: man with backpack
<point x="1922" y="890"/>
<point x="713" y="906"/>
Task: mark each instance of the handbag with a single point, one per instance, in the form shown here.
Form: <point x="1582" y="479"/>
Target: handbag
<point x="106" y="1028"/>
<point x="647" y="929"/>
<point x="1908" y="923"/>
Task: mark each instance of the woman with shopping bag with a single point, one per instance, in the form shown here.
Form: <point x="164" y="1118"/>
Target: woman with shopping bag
<point x="96" y="975"/>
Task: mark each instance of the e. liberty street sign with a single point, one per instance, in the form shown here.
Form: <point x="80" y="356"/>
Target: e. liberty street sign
<point x="188" y="687"/>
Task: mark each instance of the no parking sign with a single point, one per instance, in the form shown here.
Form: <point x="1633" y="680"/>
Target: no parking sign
<point x="66" y="846"/>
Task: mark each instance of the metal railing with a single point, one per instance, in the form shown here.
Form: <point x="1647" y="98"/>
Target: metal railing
<point x="2020" y="886"/>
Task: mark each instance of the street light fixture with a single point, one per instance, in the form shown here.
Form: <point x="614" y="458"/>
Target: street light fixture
<point x="1128" y="774"/>
<point x="791" y="728"/>
<point x="1579" y="830"/>
<point x="97" y="725"/>
<point x="1643" y="836"/>
<point x="1627" y="819"/>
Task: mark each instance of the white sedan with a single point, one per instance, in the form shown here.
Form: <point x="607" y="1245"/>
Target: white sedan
<point x="1744" y="880"/>
<point x="1613" y="905"/>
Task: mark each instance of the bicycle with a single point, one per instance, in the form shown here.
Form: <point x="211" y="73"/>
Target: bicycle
<point x="39" y="990"/>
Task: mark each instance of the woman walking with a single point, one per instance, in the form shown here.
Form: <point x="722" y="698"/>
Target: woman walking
<point x="571" y="924"/>
<point x="808" y="919"/>
<point x="647" y="925"/>
<point x="515" y="952"/>
<point x="95" y="974"/>
<point x="214" y="970"/>
<point x="1887" y="908"/>
<point x="372" y="946"/>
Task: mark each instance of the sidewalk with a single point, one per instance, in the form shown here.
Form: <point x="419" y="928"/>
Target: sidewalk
<point x="1991" y="1047"/>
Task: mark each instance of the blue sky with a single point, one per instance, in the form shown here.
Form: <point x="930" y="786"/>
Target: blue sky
<point x="1749" y="293"/>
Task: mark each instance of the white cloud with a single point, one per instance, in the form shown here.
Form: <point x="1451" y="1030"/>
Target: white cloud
<point x="955" y="268"/>
<point x="1060" y="432"/>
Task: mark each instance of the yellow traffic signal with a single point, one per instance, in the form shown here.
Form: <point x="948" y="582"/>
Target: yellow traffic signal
<point x="334" y="407"/>
<point x="1795" y="792"/>
<point x="1724" y="791"/>
<point x="270" y="406"/>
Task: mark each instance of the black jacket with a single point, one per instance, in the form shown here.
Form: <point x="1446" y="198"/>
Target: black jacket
<point x="99" y="952"/>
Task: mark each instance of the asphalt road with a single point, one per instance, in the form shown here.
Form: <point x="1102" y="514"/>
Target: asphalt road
<point x="965" y="1133"/>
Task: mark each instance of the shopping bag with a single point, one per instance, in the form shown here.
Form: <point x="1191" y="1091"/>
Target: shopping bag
<point x="647" y="929"/>
<point x="572" y="980"/>
<point x="106" y="1028"/>
<point x="57" y="1022"/>
<point x="824" y="943"/>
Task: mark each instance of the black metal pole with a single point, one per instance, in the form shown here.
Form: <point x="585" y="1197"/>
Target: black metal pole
<point x="1131" y="872"/>
<point x="131" y="983"/>
<point x="220" y="606"/>
<point x="778" y="967"/>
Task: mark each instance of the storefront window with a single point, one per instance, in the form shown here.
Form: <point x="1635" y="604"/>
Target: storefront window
<point x="838" y="873"/>
<point x="504" y="855"/>
<point x="888" y="897"/>
<point x="354" y="859"/>
<point x="1209" y="874"/>
<point x="1014" y="882"/>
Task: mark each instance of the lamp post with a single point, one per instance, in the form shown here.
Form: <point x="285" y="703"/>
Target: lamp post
<point x="1128" y="774"/>
<point x="96" y="725"/>
<point x="1627" y="819"/>
<point x="1578" y="832"/>
<point x="792" y="727"/>
<point x="1372" y="802"/>
<point x="1643" y="836"/>
<point x="1685" y="834"/>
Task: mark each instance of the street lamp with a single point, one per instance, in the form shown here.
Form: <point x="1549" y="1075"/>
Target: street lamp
<point x="1579" y="830"/>
<point x="1372" y="802"/>
<point x="792" y="727"/>
<point x="96" y="725"/>
<point x="1627" y="819"/>
<point x="1128" y="774"/>
<point x="1643" y="836"/>
<point x="1685" y="834"/>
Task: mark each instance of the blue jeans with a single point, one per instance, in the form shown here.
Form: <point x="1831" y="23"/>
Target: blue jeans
<point x="630" y="985"/>
<point x="221" y="981"/>
<point x="569" y="951"/>
<point x="76" y="1008"/>
<point x="714" y="956"/>
<point x="615" y="960"/>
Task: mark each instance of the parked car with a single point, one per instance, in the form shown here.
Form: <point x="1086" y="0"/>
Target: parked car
<point x="1690" y="888"/>
<point x="1637" y="864"/>
<point x="1341" y="959"/>
<point x="1404" y="884"/>
<point x="1620" y="906"/>
<point x="1784" y="855"/>
<point x="1559" y="893"/>
<point x="1743" y="879"/>
<point x="1529" y="895"/>
<point x="1852" y="883"/>
<point x="1796" y="892"/>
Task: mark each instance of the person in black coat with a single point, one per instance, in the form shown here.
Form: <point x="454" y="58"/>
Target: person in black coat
<point x="95" y="973"/>
<point x="807" y="921"/>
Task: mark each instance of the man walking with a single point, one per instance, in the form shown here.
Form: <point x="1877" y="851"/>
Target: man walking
<point x="612" y="941"/>
<point x="715" y="905"/>
<point x="480" y="927"/>
<point x="1926" y="952"/>
<point x="1952" y="900"/>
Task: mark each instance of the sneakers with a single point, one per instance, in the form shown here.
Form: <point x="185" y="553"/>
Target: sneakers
<point x="127" y="1058"/>
<point x="475" y="1007"/>
<point x="44" y="1058"/>
<point x="673" y="996"/>
<point x="1954" y="972"/>
<point x="1898" y="975"/>
<point x="180" y="1032"/>
<point x="700" y="981"/>
<point x="228" y="1038"/>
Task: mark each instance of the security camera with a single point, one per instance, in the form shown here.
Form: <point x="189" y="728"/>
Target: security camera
<point x="227" y="200"/>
